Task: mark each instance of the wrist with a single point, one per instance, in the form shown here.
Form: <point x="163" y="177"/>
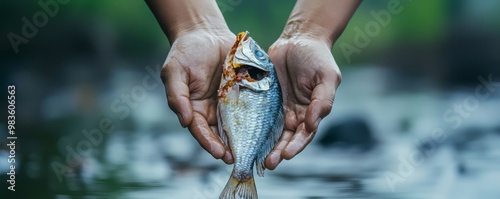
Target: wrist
<point x="303" y="28"/>
<point x="179" y="17"/>
<point x="212" y="24"/>
<point x="320" y="19"/>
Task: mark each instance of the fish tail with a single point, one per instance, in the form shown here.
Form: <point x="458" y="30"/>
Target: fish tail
<point x="244" y="189"/>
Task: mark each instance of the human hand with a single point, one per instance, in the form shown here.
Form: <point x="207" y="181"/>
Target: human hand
<point x="309" y="77"/>
<point x="306" y="69"/>
<point x="191" y="74"/>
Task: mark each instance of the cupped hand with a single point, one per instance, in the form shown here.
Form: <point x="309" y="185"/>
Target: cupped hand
<point x="309" y="77"/>
<point x="191" y="75"/>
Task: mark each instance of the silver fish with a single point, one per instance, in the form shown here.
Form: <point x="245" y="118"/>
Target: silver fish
<point x="249" y="113"/>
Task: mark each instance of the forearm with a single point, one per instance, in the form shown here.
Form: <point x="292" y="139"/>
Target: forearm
<point x="322" y="19"/>
<point x="178" y="16"/>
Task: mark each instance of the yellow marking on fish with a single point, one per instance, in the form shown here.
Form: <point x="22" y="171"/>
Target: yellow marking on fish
<point x="236" y="65"/>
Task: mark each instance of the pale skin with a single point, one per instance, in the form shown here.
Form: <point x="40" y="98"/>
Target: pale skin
<point x="307" y="71"/>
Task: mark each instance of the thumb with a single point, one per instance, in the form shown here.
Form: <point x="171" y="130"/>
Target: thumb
<point x="176" y="87"/>
<point x="327" y="80"/>
<point x="320" y="106"/>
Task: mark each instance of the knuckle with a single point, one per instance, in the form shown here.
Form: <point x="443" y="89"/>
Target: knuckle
<point x="336" y="75"/>
<point x="328" y="104"/>
<point x="172" y="103"/>
<point x="163" y="73"/>
<point x="339" y="77"/>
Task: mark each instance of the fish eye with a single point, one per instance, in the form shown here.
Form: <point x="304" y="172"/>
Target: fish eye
<point x="259" y="54"/>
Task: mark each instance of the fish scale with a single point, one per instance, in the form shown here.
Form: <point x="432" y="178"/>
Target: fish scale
<point x="256" y="124"/>
<point x="250" y="113"/>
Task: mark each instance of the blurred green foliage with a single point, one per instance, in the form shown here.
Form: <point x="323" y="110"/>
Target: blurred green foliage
<point x="137" y="33"/>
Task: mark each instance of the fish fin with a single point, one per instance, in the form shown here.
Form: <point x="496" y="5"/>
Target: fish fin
<point x="275" y="135"/>
<point x="239" y="189"/>
<point x="222" y="133"/>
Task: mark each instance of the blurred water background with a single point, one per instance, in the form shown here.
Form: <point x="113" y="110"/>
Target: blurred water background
<point x="415" y="116"/>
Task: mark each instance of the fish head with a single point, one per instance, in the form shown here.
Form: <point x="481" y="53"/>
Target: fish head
<point x="247" y="66"/>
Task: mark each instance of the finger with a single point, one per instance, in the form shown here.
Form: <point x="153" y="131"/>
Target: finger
<point x="205" y="136"/>
<point x="274" y="157"/>
<point x="175" y="80"/>
<point x="320" y="106"/>
<point x="228" y="156"/>
<point x="299" y="141"/>
<point x="290" y="119"/>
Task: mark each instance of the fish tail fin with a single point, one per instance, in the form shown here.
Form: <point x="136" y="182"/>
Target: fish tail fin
<point x="244" y="189"/>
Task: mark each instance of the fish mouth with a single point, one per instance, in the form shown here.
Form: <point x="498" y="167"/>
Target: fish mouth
<point x="251" y="73"/>
<point x="243" y="74"/>
<point x="247" y="71"/>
